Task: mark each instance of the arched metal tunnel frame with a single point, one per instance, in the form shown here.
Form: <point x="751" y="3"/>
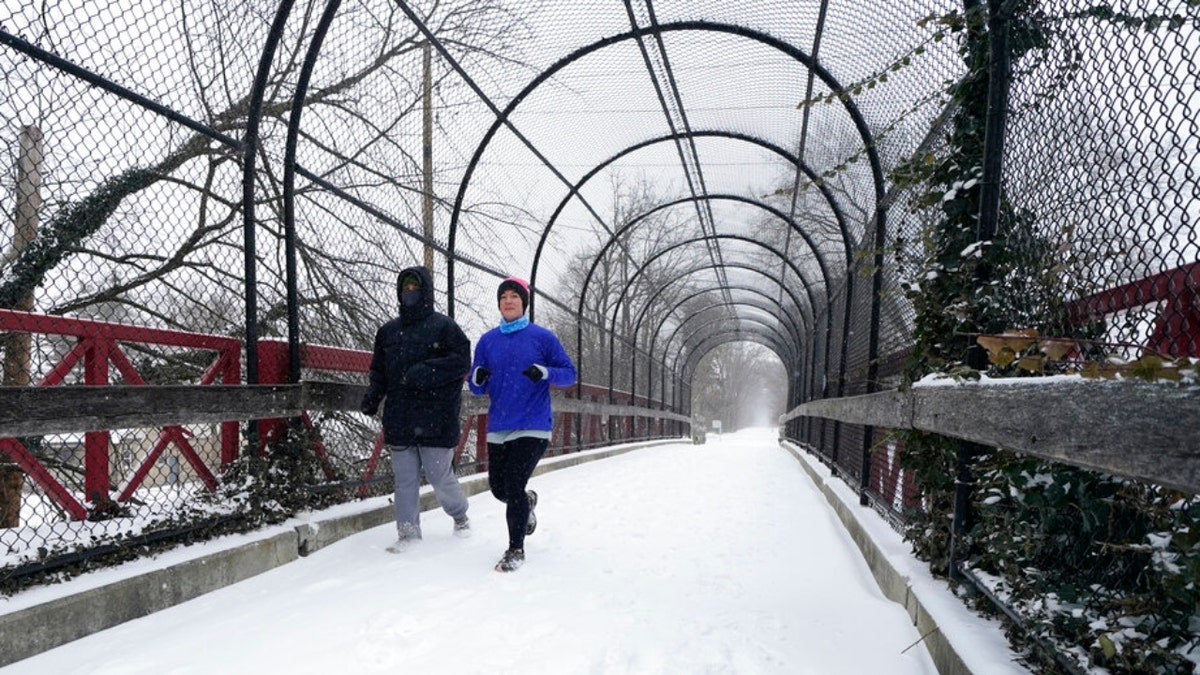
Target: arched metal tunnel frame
<point x="798" y="320"/>
<point x="682" y="135"/>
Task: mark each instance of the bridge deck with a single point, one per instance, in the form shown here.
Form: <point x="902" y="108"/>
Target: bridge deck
<point x="724" y="557"/>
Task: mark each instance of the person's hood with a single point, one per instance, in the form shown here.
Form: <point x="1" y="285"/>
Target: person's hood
<point x="426" y="278"/>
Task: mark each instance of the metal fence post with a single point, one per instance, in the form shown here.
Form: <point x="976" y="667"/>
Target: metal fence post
<point x="989" y="213"/>
<point x="961" y="522"/>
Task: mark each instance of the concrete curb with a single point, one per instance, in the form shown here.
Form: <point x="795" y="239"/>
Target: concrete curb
<point x="895" y="585"/>
<point x="33" y="630"/>
<point x="36" y="629"/>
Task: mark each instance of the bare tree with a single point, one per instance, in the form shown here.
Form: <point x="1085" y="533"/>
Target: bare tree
<point x="624" y="281"/>
<point x="155" y="226"/>
<point x="741" y="384"/>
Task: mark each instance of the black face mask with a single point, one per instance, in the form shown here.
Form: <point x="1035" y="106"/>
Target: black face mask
<point x="411" y="298"/>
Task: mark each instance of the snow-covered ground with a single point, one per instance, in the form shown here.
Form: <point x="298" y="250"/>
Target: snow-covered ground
<point x="721" y="558"/>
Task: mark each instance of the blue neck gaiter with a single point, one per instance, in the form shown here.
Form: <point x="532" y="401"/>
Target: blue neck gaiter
<point x="513" y="326"/>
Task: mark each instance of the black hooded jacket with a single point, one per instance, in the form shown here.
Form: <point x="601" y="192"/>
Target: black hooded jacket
<point x="421" y="358"/>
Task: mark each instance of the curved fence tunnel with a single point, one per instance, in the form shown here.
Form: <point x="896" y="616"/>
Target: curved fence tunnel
<point x="863" y="193"/>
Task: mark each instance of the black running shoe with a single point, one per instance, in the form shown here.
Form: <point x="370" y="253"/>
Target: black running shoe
<point x="532" y="524"/>
<point x="513" y="559"/>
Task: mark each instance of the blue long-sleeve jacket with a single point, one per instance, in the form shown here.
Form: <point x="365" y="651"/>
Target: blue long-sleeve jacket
<point x="517" y="403"/>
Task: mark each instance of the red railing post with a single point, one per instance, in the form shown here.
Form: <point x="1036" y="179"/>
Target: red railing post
<point x="95" y="463"/>
<point x="372" y="465"/>
<point x="1177" y="331"/>
<point x="231" y="373"/>
<point x="272" y="369"/>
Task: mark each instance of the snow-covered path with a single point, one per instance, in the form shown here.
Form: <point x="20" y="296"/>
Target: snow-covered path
<point x="721" y="558"/>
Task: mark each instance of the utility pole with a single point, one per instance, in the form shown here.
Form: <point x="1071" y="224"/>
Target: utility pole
<point x="427" y="154"/>
<point x="17" y="345"/>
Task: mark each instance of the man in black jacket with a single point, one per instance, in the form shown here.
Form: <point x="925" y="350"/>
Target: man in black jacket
<point x="421" y="358"/>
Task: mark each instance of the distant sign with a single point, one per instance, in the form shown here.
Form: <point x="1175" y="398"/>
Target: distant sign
<point x="716" y="425"/>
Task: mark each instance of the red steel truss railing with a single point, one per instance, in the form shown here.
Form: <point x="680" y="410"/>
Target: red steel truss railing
<point x="1177" y="328"/>
<point x="98" y="348"/>
<point x="591" y="429"/>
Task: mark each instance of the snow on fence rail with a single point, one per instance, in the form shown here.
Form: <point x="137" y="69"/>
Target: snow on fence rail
<point x="1143" y="430"/>
<point x="1135" y="429"/>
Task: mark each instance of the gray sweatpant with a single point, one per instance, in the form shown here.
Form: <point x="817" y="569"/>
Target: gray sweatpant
<point x="407" y="464"/>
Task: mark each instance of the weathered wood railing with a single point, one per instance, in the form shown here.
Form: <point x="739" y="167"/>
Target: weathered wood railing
<point x="1144" y="430"/>
<point x="88" y="403"/>
<point x="35" y="411"/>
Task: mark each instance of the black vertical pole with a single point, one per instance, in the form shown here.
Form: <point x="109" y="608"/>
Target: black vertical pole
<point x="249" y="220"/>
<point x="989" y="214"/>
<point x="289" y="187"/>
<point x="994" y="132"/>
<point x="250" y="150"/>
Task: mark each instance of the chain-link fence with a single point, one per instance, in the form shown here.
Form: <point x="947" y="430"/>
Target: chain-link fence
<point x="1046" y="225"/>
<point x="1093" y="239"/>
<point x="865" y="192"/>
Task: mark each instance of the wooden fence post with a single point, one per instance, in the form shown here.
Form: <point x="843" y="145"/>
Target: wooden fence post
<point x="17" y="344"/>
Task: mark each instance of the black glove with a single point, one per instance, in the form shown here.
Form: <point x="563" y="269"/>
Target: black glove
<point x="369" y="407"/>
<point x="481" y="375"/>
<point x="534" y="373"/>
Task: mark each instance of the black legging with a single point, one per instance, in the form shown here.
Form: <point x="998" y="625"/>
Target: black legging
<point x="509" y="467"/>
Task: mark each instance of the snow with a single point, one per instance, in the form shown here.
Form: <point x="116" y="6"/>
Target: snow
<point x="975" y="250"/>
<point x="720" y="558"/>
<point x="944" y="380"/>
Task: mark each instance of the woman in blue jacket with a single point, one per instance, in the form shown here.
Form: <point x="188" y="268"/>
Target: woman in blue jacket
<point x="515" y="365"/>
